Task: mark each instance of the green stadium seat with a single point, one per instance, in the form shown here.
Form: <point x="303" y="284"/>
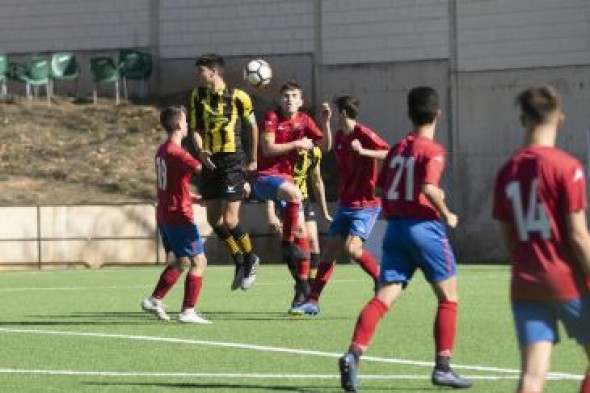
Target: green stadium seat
<point x="3" y="75"/>
<point x="135" y="65"/>
<point x="64" y="67"/>
<point x="105" y="71"/>
<point x="34" y="72"/>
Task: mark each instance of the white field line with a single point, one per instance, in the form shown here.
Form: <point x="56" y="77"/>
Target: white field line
<point x="243" y="375"/>
<point x="147" y="285"/>
<point x="264" y="348"/>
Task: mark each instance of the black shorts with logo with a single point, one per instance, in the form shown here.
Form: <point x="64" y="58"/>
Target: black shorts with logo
<point x="227" y="180"/>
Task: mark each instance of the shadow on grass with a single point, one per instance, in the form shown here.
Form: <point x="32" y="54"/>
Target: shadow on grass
<point x="139" y="318"/>
<point x="254" y="387"/>
<point x="220" y="386"/>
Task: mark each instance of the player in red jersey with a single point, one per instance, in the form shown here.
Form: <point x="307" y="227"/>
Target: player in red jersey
<point x="287" y="130"/>
<point x="357" y="149"/>
<point x="540" y="202"/>
<point x="414" y="206"/>
<point x="174" y="169"/>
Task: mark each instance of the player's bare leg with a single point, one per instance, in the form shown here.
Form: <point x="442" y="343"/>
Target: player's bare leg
<point x="365" y="328"/>
<point x="311" y="228"/>
<point x="354" y="248"/>
<point x="535" y="361"/>
<point x="445" y="328"/>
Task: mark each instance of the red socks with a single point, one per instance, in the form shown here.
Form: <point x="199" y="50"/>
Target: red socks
<point x="445" y="327"/>
<point x="585" y="388"/>
<point x="290" y="218"/>
<point x="368" y="264"/>
<point x="325" y="270"/>
<point x="167" y="280"/>
<point x="303" y="265"/>
<point x="192" y="288"/>
<point x="367" y="322"/>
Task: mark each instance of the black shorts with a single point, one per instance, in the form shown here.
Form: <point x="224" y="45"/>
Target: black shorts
<point x="227" y="180"/>
<point x="308" y="210"/>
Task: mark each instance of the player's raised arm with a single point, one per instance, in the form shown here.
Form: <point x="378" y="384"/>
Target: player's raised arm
<point x="325" y="119"/>
<point x="319" y="191"/>
<point x="357" y="146"/>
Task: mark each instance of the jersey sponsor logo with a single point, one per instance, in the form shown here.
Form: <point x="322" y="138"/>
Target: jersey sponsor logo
<point x="230" y="189"/>
<point x="216" y="117"/>
<point x="578" y="175"/>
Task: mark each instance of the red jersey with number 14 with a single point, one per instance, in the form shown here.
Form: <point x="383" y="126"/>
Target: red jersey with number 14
<point x="358" y="174"/>
<point x="174" y="168"/>
<point x="412" y="162"/>
<point x="534" y="192"/>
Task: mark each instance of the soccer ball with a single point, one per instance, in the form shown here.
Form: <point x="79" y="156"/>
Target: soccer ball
<point x="257" y="73"/>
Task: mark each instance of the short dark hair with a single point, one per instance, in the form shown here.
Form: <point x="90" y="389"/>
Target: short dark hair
<point x="349" y="104"/>
<point x="211" y="60"/>
<point x="537" y="104"/>
<point x="423" y="105"/>
<point x="170" y="116"/>
<point x="290" y="85"/>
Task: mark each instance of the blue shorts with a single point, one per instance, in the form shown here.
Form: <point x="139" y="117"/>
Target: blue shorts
<point x="266" y="187"/>
<point x="183" y="241"/>
<point x="356" y="222"/>
<point x="536" y="321"/>
<point x="416" y="244"/>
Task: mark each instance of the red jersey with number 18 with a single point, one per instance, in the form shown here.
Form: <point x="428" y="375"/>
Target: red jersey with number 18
<point x="174" y="168"/>
<point x="534" y="192"/>
<point x="412" y="162"/>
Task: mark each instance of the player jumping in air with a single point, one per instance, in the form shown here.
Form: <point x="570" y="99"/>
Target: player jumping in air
<point x="216" y="115"/>
<point x="286" y="132"/>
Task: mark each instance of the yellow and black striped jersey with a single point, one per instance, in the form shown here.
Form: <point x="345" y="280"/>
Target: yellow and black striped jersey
<point x="306" y="162"/>
<point x="218" y="117"/>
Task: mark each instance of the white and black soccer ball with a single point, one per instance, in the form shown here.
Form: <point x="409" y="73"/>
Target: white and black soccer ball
<point x="258" y="73"/>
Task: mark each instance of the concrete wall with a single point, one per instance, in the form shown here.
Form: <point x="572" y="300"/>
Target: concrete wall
<point x="259" y="27"/>
<point x="372" y="31"/>
<point x="94" y="236"/>
<point x="55" y="25"/>
<point x="488" y="131"/>
<point x="501" y="34"/>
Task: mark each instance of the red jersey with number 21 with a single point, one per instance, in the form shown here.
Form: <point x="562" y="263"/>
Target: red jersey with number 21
<point x="174" y="169"/>
<point x="534" y="192"/>
<point x="412" y="162"/>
